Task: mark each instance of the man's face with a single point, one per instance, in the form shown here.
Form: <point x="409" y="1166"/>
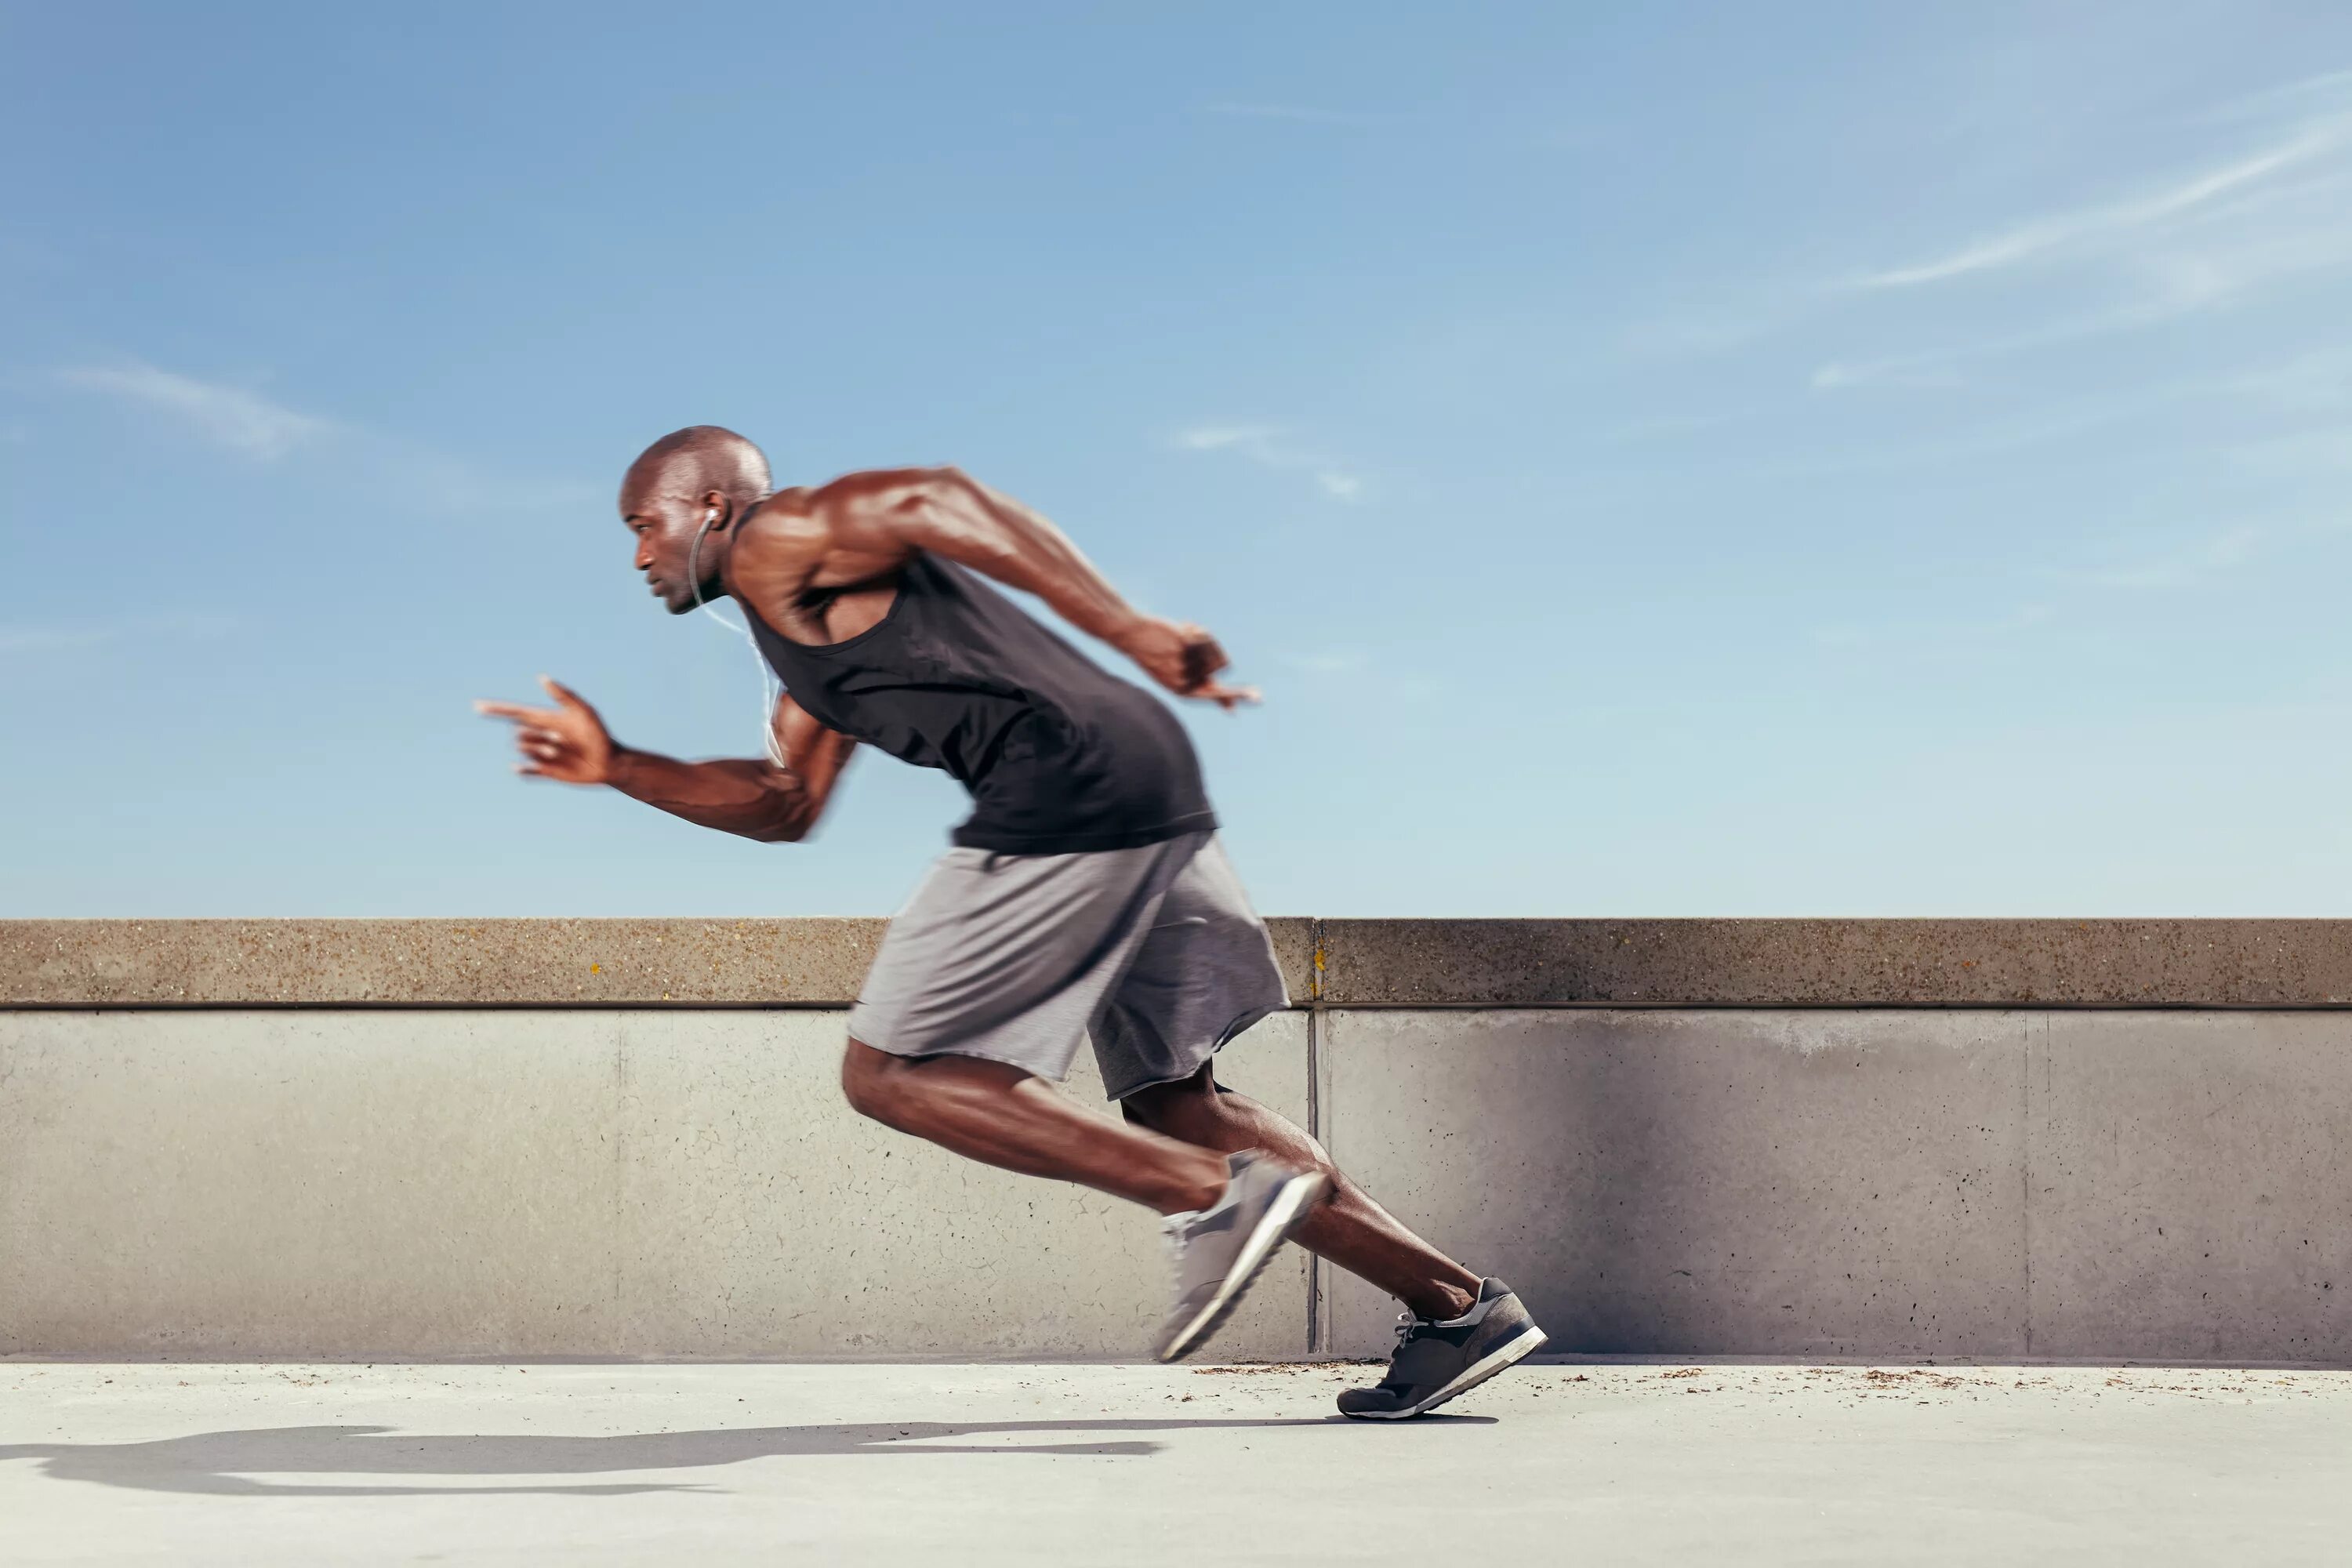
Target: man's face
<point x="665" y="527"/>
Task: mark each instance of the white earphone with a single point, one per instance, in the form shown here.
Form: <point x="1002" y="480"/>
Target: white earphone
<point x="772" y="689"/>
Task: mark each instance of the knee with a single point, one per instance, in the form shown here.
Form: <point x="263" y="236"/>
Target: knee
<point x="875" y="1083"/>
<point x="1170" y="1108"/>
<point x="1191" y="1109"/>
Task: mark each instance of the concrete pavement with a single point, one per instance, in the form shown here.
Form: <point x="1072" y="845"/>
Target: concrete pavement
<point x="258" y="1465"/>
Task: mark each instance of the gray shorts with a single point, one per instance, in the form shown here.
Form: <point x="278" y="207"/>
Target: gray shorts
<point x="1153" y="953"/>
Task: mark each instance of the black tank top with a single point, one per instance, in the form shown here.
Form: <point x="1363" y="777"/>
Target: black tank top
<point x="1059" y="754"/>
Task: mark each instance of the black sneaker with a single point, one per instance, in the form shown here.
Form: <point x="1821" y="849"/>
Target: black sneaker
<point x="1437" y="1360"/>
<point x="1218" y="1251"/>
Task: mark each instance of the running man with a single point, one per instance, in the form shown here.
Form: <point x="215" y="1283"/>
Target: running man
<point x="1085" y="897"/>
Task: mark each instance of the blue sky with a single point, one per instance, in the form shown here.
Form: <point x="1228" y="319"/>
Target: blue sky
<point x="1837" y="458"/>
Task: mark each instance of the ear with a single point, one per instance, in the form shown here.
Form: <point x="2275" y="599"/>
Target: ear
<point x="711" y="502"/>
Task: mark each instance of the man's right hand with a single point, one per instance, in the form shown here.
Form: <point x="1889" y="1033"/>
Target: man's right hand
<point x="1184" y="658"/>
<point x="567" y="743"/>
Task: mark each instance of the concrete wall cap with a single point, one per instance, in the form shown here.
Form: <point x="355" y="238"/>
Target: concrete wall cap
<point x="819" y="963"/>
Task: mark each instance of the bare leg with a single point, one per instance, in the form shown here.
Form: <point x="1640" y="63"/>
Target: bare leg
<point x="999" y="1115"/>
<point x="1347" y="1226"/>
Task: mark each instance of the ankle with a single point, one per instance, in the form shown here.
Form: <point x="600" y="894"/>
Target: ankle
<point x="1197" y="1186"/>
<point x="1438" y="1302"/>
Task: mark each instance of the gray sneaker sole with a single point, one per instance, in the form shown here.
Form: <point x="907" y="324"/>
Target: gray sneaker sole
<point x="1470" y="1377"/>
<point x="1291" y="1202"/>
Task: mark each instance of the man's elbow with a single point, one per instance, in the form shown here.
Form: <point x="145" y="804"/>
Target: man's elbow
<point x="785" y="828"/>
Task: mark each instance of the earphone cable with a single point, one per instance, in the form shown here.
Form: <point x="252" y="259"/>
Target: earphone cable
<point x="772" y="689"/>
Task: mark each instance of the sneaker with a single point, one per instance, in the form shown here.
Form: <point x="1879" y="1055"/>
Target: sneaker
<point x="1437" y="1360"/>
<point x="1219" y="1250"/>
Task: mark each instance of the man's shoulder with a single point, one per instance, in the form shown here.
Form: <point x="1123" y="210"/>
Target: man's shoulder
<point x="867" y="492"/>
<point x="838" y="532"/>
<point x="866" y="519"/>
<point x="787" y="522"/>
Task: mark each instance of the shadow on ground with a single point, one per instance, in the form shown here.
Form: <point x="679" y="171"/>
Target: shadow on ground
<point x="222" y="1463"/>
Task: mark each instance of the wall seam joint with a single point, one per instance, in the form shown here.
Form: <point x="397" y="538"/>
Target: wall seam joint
<point x="1315" y="1123"/>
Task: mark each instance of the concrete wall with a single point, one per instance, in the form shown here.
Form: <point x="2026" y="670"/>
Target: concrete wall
<point x="1996" y="1183"/>
<point x="390" y="1184"/>
<point x="382" y="1166"/>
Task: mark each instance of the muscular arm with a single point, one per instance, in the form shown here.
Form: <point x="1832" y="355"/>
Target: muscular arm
<point x="752" y="799"/>
<point x="863" y="525"/>
<point x="950" y="514"/>
<point x="764" y="800"/>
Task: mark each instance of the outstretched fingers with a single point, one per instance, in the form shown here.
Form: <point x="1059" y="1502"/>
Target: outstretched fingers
<point x="1226" y="697"/>
<point x="565" y="694"/>
<point x="568" y="700"/>
<point x="535" y="734"/>
<point x="567" y="743"/>
<point x="517" y="712"/>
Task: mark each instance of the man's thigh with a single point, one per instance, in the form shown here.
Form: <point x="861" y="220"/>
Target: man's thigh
<point x="1007" y="957"/>
<point x="1204" y="973"/>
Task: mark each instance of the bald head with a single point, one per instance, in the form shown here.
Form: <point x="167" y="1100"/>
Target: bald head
<point x="687" y="465"/>
<point x="682" y="499"/>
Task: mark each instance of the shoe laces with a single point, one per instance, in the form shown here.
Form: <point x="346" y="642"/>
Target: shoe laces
<point x="1408" y="1325"/>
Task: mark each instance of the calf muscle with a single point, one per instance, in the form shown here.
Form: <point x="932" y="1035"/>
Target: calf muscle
<point x="1347" y="1227"/>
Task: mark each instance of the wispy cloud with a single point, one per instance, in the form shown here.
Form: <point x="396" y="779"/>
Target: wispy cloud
<point x="2092" y="224"/>
<point x="254" y="427"/>
<point x="1930" y="369"/>
<point x="2159" y="283"/>
<point x="1249" y="439"/>
<point x="2266" y="102"/>
<point x="38" y="639"/>
<point x="1269" y="447"/>
<point x="2182" y="568"/>
<point x="231" y="416"/>
<point x="2304" y="231"/>
<point x="2205" y="238"/>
